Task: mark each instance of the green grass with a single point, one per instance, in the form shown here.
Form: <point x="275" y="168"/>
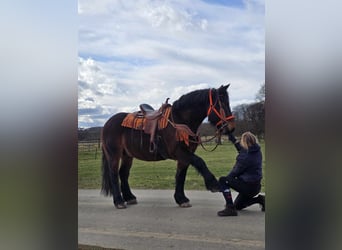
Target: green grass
<point x="161" y="174"/>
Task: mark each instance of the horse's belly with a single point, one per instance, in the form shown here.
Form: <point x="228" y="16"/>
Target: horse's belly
<point x="138" y="146"/>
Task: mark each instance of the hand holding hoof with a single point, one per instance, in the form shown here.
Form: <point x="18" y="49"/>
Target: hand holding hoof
<point x="213" y="185"/>
<point x="215" y="190"/>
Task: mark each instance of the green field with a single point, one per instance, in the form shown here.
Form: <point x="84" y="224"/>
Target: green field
<point x="161" y="174"/>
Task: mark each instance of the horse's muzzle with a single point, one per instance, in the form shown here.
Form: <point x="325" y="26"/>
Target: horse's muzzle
<point x="231" y="125"/>
<point x="227" y="126"/>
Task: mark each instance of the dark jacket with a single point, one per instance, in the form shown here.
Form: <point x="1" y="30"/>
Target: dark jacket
<point x="248" y="166"/>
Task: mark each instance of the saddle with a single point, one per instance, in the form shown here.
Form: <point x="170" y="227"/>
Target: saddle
<point x="150" y="120"/>
<point x="152" y="117"/>
<point x="149" y="112"/>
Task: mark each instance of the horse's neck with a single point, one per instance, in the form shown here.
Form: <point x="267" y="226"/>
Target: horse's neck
<point x="191" y="117"/>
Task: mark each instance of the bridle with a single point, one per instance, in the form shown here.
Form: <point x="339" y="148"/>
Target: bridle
<point x="222" y="114"/>
<point x="223" y="119"/>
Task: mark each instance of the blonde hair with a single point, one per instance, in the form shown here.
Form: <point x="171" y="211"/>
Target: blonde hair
<point x="248" y="139"/>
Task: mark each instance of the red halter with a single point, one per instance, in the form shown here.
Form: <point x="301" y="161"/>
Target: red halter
<point x="221" y="114"/>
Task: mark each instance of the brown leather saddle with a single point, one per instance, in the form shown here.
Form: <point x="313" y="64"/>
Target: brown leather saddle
<point x="152" y="117"/>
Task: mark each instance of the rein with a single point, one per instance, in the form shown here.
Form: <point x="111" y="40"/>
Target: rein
<point x="190" y="133"/>
<point x="221" y="115"/>
<point x="218" y="132"/>
<point x="201" y="143"/>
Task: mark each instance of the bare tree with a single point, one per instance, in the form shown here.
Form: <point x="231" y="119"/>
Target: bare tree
<point x="250" y="117"/>
<point x="260" y="96"/>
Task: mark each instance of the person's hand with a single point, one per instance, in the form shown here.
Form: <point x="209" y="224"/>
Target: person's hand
<point x="231" y="137"/>
<point x="231" y="131"/>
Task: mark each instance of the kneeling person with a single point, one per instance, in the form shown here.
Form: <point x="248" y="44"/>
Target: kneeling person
<point x="245" y="177"/>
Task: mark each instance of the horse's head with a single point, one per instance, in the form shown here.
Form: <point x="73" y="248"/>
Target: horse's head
<point x="219" y="112"/>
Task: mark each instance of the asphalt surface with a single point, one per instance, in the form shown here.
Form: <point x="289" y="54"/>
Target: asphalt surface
<point x="157" y="222"/>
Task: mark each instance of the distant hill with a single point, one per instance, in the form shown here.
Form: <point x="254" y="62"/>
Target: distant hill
<point x="94" y="133"/>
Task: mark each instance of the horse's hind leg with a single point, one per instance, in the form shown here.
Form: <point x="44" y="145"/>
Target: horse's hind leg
<point x="126" y="163"/>
<point x="117" y="198"/>
<point x="179" y="195"/>
<point x="110" y="180"/>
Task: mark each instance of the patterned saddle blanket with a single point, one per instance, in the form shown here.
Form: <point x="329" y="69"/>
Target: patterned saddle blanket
<point x="138" y="121"/>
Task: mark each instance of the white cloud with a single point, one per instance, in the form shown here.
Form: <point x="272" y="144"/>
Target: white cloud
<point x="94" y="85"/>
<point x="171" y="19"/>
<point x="94" y="78"/>
<point x="87" y="7"/>
<point x="167" y="17"/>
<point x="145" y="51"/>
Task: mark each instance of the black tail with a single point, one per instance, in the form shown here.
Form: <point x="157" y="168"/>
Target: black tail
<point x="106" y="181"/>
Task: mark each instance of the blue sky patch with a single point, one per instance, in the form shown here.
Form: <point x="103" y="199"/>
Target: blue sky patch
<point x="230" y="3"/>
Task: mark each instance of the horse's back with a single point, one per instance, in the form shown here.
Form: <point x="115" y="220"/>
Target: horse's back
<point x="113" y="126"/>
<point x="115" y="120"/>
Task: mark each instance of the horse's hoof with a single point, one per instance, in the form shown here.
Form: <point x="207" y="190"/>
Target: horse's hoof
<point x="120" y="206"/>
<point x="132" y="202"/>
<point x="214" y="190"/>
<point x="185" y="204"/>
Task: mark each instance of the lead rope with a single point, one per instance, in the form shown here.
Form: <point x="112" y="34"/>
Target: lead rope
<point x="218" y="132"/>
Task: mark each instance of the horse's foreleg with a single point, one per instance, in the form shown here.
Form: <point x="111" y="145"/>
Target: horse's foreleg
<point x="125" y="167"/>
<point x="210" y="181"/>
<point x="179" y="195"/>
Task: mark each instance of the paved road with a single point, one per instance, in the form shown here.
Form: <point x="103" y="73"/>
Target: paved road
<point x="157" y="222"/>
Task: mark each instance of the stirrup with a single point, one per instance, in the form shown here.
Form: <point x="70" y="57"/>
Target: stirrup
<point x="152" y="147"/>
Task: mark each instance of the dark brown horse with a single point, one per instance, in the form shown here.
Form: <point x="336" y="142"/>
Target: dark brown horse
<point x="177" y="139"/>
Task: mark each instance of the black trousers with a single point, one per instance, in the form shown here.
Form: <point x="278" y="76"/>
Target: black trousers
<point x="246" y="191"/>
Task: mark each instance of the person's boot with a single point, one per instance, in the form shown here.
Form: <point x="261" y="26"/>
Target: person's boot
<point x="228" y="211"/>
<point x="261" y="199"/>
<point x="239" y="203"/>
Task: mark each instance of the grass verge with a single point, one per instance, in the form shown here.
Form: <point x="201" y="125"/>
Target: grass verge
<point x="161" y="174"/>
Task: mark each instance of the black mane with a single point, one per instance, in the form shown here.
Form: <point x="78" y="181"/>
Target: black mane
<point x="195" y="97"/>
<point x="192" y="108"/>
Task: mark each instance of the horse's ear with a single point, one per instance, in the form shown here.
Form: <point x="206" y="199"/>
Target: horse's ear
<point x="225" y="87"/>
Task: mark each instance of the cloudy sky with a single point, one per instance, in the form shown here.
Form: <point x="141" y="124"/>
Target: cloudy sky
<point x="144" y="51"/>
